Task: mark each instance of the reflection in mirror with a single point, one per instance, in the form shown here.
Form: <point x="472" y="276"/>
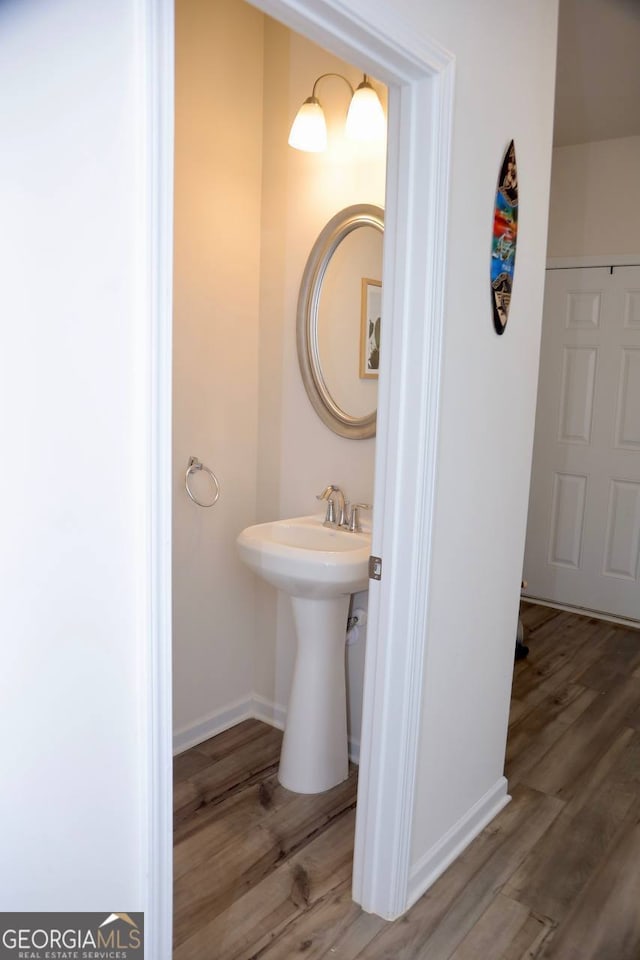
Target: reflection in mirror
<point x="357" y="257"/>
<point x="339" y="321"/>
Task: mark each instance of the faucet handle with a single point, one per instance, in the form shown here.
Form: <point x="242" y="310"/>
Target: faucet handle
<point x="354" y="519"/>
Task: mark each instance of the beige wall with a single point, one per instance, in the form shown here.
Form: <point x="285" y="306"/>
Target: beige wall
<point x="595" y="199"/>
<point x="298" y="455"/>
<point x="216" y="278"/>
<point x="248" y="210"/>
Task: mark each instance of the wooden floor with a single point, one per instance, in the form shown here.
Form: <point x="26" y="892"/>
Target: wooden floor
<point x="264" y="873"/>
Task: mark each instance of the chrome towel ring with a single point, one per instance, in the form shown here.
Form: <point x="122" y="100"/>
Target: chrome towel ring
<point x="194" y="464"/>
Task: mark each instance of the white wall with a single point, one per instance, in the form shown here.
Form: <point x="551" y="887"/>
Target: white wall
<point x="218" y="169"/>
<point x="487" y="408"/>
<point x="74" y="485"/>
<point x="595" y="199"/>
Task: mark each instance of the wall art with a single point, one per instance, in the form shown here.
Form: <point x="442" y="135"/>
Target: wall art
<point x="370" y="328"/>
<point x="505" y="234"/>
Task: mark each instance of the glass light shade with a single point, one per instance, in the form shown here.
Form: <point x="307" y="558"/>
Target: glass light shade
<point x="365" y="119"/>
<point x="309" y="129"/>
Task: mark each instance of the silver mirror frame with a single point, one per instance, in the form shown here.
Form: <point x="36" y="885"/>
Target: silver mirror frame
<point x="339" y="227"/>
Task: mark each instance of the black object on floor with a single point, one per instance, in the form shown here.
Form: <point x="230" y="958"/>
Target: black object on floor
<point x="521" y="650"/>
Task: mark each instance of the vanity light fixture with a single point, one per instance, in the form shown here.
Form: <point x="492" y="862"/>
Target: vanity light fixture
<point x="365" y="118"/>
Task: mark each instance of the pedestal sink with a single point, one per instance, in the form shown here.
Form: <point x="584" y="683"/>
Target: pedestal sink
<point x="319" y="567"/>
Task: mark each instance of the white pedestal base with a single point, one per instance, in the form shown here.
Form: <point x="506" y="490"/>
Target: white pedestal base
<point x="314" y="749"/>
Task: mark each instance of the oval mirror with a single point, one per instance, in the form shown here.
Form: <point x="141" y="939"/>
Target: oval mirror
<point x="339" y="317"/>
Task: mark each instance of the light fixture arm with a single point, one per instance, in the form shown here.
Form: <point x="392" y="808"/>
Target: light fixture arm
<point x="323" y="75"/>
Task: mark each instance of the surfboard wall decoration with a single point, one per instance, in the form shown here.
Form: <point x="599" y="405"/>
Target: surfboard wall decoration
<point x="505" y="235"/>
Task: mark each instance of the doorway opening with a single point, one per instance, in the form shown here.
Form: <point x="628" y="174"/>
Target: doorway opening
<point x="583" y="534"/>
<point x="415" y="229"/>
<point x="248" y="209"/>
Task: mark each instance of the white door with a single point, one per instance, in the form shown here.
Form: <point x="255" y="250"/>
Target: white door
<point x="583" y="535"/>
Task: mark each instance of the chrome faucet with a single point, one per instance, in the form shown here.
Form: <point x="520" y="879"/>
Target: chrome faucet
<point x="334" y="495"/>
<point x="338" y="513"/>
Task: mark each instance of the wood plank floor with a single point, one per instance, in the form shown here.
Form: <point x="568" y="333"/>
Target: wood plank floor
<point x="264" y="873"/>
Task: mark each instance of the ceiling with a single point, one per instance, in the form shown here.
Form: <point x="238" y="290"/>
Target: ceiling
<point x="598" y="72"/>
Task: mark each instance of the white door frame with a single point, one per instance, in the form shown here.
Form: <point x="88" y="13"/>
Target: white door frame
<point x="419" y="73"/>
<point x="587" y="263"/>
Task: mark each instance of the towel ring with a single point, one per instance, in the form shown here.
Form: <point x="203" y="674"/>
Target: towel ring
<point x="194" y="464"/>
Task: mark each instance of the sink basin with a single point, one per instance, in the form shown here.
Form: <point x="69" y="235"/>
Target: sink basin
<point x="306" y="559"/>
<point x="319" y="568"/>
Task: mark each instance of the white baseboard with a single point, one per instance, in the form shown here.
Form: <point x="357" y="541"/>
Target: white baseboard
<point x="212" y="724"/>
<point x="583" y="612"/>
<point x="250" y="708"/>
<point x="268" y="711"/>
<point x="435" y="861"/>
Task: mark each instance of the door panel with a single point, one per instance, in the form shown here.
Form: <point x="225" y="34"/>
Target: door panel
<point x="576" y="394"/>
<point x="628" y="418"/>
<point x="567" y="520"/>
<point x="623" y="530"/>
<point x="583" y="536"/>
